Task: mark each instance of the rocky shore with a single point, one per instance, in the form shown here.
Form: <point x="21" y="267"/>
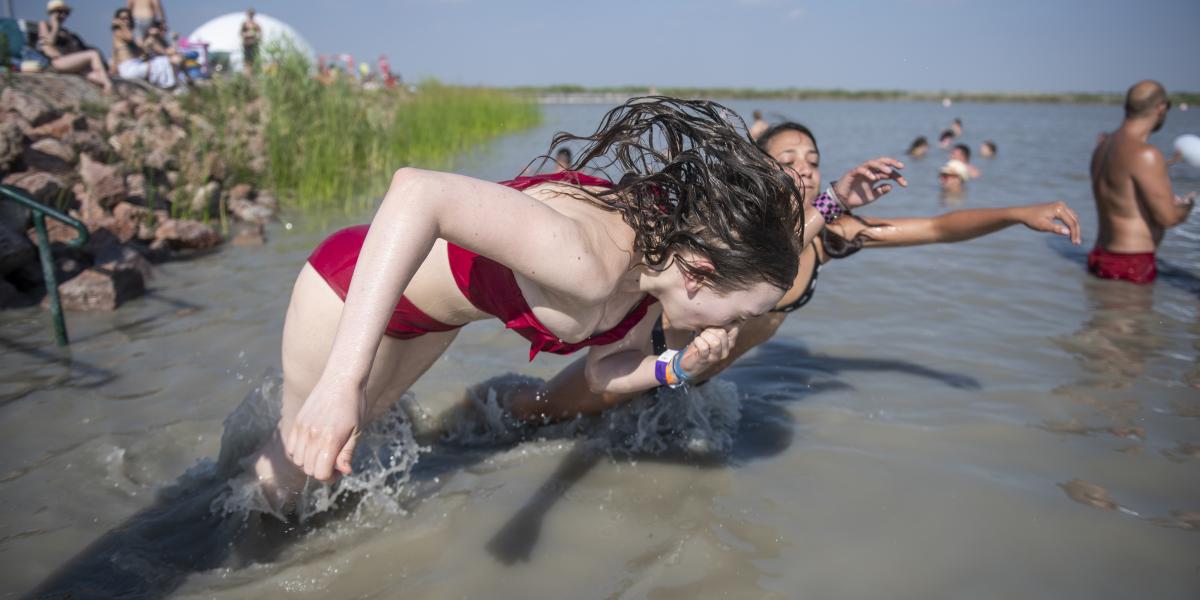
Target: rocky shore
<point x="141" y="172"/>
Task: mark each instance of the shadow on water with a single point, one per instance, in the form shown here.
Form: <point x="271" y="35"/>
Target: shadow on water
<point x="185" y="532"/>
<point x="77" y="373"/>
<point x="777" y="374"/>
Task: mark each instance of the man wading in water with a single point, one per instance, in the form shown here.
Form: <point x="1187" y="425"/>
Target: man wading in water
<point x="1133" y="193"/>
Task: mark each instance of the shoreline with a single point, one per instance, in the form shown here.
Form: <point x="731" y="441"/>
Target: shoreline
<point x="572" y="94"/>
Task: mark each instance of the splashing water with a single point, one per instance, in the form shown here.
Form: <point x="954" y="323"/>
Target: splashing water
<point x="696" y="422"/>
<point x="699" y="422"/>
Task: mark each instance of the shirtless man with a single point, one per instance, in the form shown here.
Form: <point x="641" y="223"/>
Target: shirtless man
<point x="1133" y="191"/>
<point x="145" y="13"/>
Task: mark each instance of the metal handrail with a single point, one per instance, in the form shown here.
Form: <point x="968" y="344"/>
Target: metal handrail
<point x="39" y="222"/>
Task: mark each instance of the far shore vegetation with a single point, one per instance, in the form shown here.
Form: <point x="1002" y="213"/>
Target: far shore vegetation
<point x="335" y="145"/>
<point x="839" y="94"/>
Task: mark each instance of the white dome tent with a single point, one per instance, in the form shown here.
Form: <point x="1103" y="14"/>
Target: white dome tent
<point x="223" y="34"/>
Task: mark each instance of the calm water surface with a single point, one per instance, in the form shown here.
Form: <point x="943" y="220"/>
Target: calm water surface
<point x="978" y="420"/>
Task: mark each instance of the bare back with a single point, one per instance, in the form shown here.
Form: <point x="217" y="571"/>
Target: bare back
<point x="1125" y="222"/>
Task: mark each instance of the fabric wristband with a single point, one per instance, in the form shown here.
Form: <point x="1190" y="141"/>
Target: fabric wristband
<point x="681" y="376"/>
<point x="664" y="370"/>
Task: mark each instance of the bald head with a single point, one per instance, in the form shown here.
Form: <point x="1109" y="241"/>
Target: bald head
<point x="1143" y="98"/>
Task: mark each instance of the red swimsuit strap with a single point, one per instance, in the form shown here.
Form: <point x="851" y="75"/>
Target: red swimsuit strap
<point x="492" y="287"/>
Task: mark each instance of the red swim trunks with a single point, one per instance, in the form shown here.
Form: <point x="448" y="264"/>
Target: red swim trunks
<point x="1134" y="268"/>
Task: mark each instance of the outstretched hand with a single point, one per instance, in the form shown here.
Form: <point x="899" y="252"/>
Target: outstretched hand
<point x="326" y="430"/>
<point x="857" y="187"/>
<point x="1052" y="217"/>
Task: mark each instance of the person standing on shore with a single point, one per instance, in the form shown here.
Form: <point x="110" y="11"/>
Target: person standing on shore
<point x="251" y="36"/>
<point x="145" y="13"/>
<point x="1134" y="200"/>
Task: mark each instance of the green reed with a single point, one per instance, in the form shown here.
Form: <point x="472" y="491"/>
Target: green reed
<point x="335" y="145"/>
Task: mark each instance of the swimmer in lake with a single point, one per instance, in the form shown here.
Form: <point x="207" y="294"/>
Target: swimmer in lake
<point x="988" y="149"/>
<point x="795" y="147"/>
<point x="918" y="148"/>
<point x="758" y="126"/>
<point x="962" y="153"/>
<point x="702" y="226"/>
<point x="1132" y="190"/>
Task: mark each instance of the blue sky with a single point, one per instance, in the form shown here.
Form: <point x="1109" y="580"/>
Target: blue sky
<point x="972" y="45"/>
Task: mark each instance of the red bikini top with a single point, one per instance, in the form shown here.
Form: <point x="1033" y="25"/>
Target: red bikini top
<point x="492" y="288"/>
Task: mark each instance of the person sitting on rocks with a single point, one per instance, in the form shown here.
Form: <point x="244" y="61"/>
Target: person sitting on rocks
<point x="156" y="46"/>
<point x="68" y="53"/>
<point x="131" y="60"/>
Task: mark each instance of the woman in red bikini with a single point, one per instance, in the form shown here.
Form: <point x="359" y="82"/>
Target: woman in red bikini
<point x="701" y="226"/>
<point x="794" y="146"/>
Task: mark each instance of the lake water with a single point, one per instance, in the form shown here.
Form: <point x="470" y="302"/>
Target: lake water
<point x="977" y="420"/>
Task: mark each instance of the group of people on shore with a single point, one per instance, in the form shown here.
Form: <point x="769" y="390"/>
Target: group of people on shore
<point x="143" y="47"/>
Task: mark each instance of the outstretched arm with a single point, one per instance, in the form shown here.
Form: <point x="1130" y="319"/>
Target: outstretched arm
<point x="421" y="206"/>
<point x="960" y="225"/>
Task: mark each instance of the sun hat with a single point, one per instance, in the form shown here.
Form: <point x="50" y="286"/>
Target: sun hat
<point x="54" y="5"/>
<point x="956" y="168"/>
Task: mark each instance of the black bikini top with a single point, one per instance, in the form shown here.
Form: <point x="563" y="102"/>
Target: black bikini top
<point x="808" y="292"/>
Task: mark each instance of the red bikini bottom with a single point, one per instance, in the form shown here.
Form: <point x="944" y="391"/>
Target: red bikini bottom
<point x="334" y="260"/>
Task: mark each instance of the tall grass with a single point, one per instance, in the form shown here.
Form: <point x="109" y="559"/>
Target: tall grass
<point x="335" y="145"/>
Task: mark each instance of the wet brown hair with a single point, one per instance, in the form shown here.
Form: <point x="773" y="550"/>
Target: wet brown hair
<point x="689" y="178"/>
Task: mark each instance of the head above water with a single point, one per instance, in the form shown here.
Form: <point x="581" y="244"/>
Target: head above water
<point x="757" y="115"/>
<point x="696" y="191"/>
<point x="987" y="149"/>
<point x="563" y="158"/>
<point x="961" y="152"/>
<point x="794" y="147"/>
<point x="1147" y="99"/>
<point x="918" y="147"/>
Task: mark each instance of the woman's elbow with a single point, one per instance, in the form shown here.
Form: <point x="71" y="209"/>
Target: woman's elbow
<point x="597" y="382"/>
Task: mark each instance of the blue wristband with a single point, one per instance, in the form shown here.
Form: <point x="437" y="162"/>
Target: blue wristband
<point x="677" y="369"/>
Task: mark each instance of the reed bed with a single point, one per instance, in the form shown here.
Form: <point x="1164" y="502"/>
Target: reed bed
<point x="334" y="145"/>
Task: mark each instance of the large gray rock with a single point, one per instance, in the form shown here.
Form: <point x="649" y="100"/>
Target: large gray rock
<point x="114" y="257"/>
<point x="185" y="234"/>
<point x="61" y="127"/>
<point x="249" y="211"/>
<point x="11" y="297"/>
<point x="101" y="289"/>
<point x="119" y="117"/>
<point x="206" y="200"/>
<point x="49" y="155"/>
<point x="30" y="107"/>
<point x="104" y="183"/>
<point x="90" y="142"/>
<point x="11" y="138"/>
<point x="15" y="251"/>
<point x="46" y="188"/>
